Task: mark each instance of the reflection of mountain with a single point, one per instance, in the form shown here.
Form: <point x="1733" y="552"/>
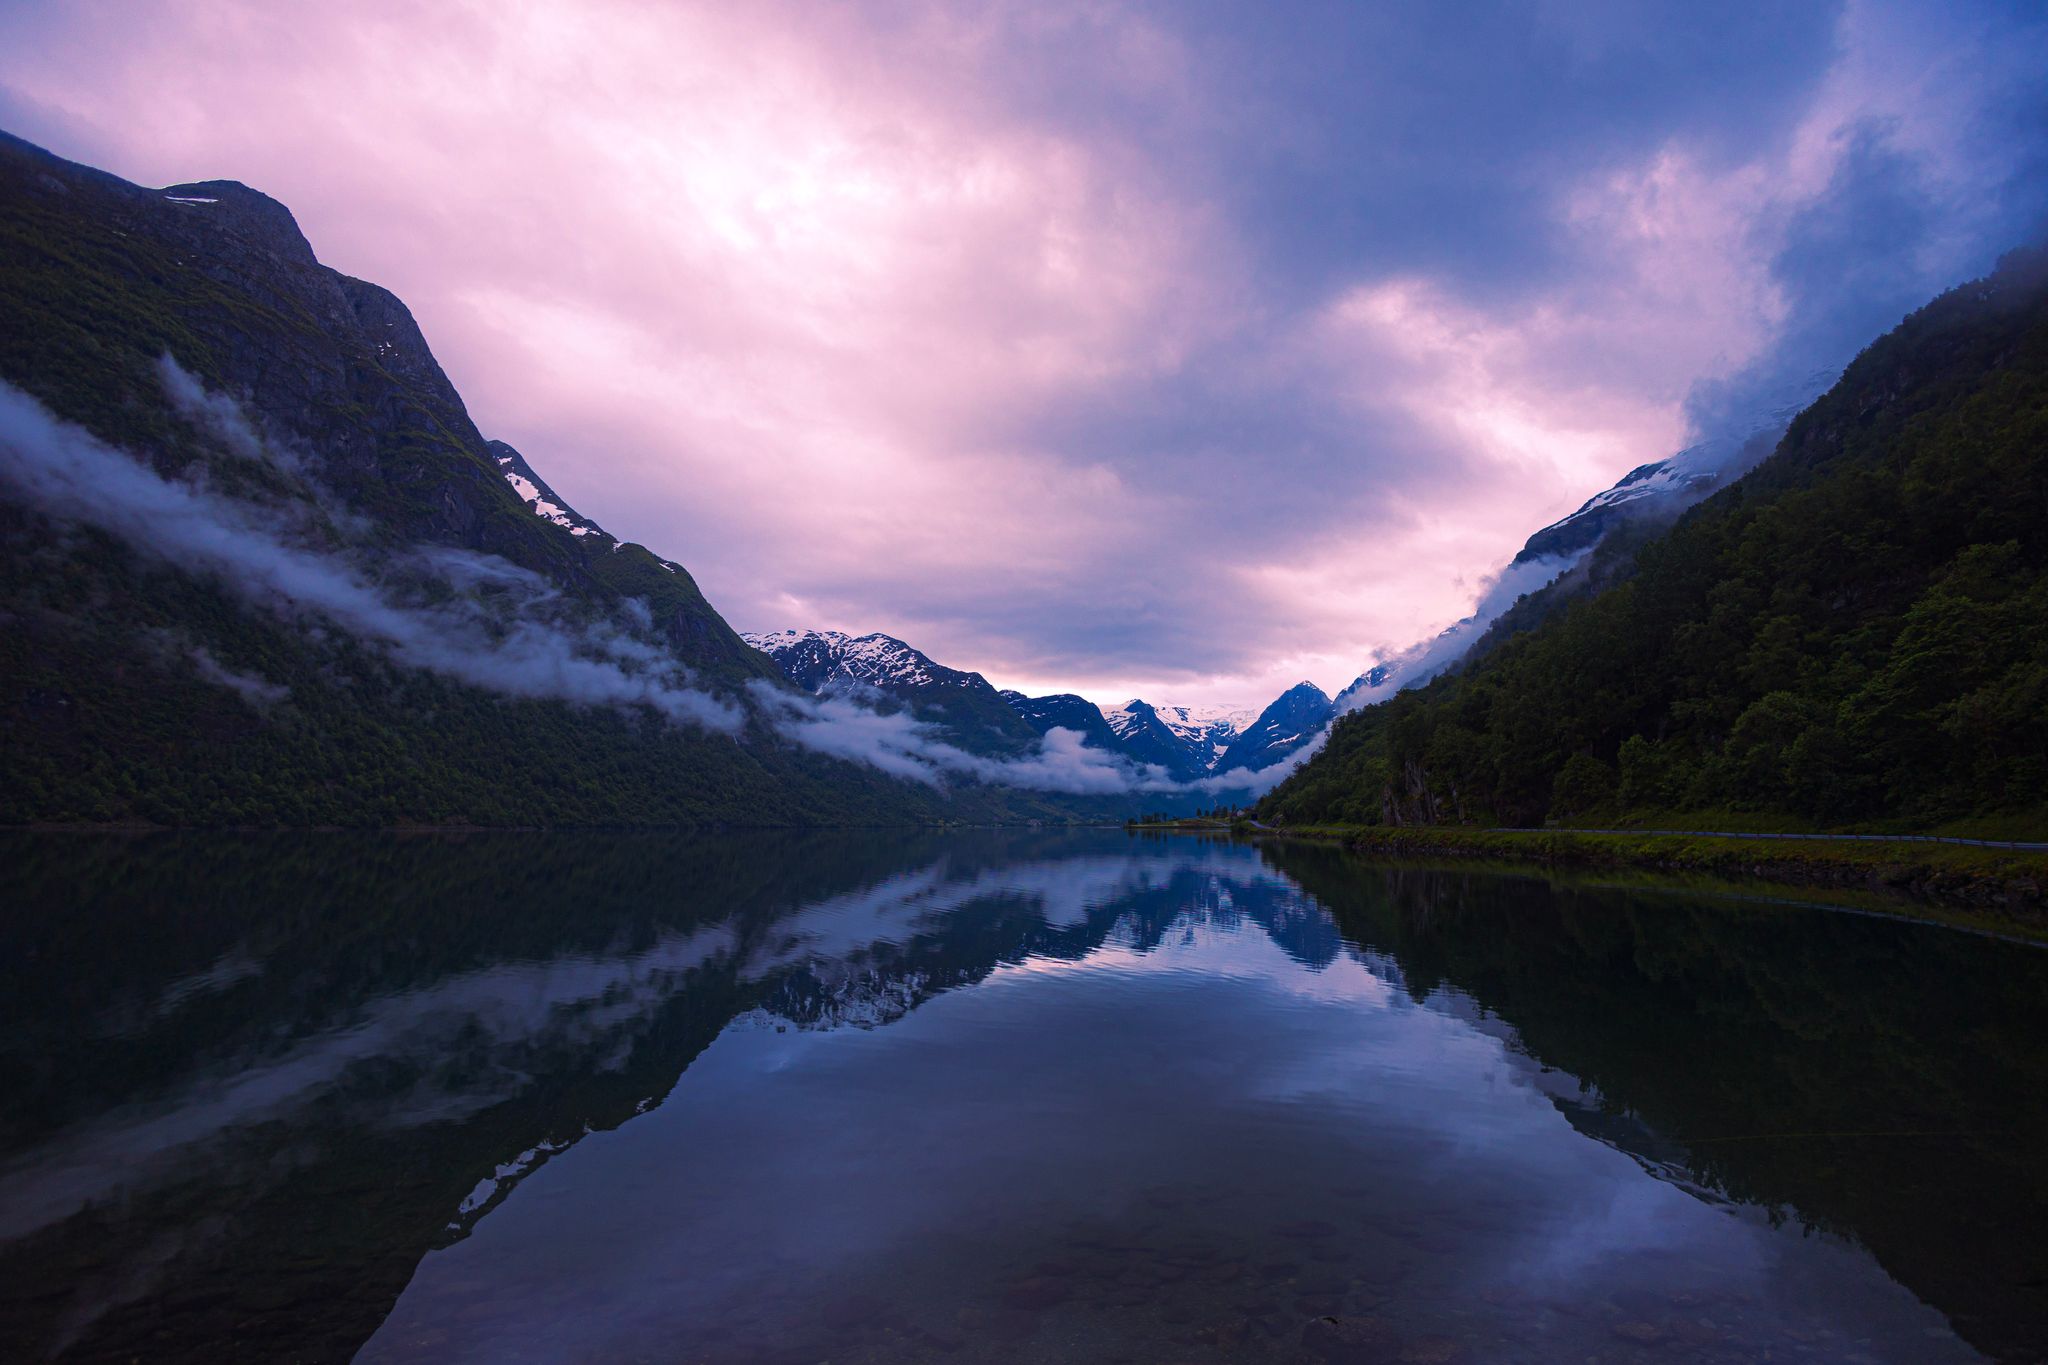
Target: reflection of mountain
<point x="361" y="1045"/>
<point x="1799" y="1061"/>
<point x="253" y="1081"/>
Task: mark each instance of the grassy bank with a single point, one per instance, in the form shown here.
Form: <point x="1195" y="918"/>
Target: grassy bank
<point x="2005" y="889"/>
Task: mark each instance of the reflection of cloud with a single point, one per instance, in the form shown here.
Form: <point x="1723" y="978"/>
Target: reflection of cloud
<point x="231" y="968"/>
<point x="562" y="1007"/>
<point x="948" y="1151"/>
<point x="1064" y="890"/>
<point x="568" y="1009"/>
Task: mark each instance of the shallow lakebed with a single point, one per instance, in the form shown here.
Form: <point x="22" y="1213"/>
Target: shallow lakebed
<point x="1003" y="1096"/>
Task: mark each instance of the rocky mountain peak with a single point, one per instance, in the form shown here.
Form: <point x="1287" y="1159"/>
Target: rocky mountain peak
<point x="251" y="214"/>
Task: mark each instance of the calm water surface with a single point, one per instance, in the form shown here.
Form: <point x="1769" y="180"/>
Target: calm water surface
<point x="1002" y="1097"/>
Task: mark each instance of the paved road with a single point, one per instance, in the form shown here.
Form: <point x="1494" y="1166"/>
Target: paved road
<point x="1733" y="834"/>
<point x="1863" y="838"/>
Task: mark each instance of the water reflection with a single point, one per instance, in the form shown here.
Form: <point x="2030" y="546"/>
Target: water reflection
<point x="988" y="1096"/>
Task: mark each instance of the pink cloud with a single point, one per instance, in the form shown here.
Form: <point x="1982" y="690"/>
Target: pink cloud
<point x="790" y="293"/>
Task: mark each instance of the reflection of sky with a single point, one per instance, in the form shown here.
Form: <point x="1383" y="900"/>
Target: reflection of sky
<point x="922" y="1158"/>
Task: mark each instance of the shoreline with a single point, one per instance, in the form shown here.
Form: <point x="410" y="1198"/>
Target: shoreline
<point x="1991" y="888"/>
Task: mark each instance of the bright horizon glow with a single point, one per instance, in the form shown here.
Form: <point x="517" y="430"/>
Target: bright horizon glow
<point x="1133" y="350"/>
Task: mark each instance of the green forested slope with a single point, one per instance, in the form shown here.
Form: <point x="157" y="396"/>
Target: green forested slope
<point x="1854" y="633"/>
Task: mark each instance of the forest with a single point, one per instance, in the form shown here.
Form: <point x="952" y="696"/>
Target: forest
<point x="1854" y="635"/>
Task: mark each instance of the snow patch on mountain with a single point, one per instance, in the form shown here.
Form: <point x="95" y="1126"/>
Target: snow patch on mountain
<point x="544" y="501"/>
<point x="877" y="660"/>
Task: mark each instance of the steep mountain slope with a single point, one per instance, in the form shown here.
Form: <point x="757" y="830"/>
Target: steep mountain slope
<point x="970" y="712"/>
<point x="1656" y="493"/>
<point x="546" y="503"/>
<point x="1856" y="631"/>
<point x="1642" y="502"/>
<point x="284" y="579"/>
<point x="1297" y="716"/>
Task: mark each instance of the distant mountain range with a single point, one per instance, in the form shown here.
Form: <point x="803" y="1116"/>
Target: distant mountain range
<point x="1182" y="740"/>
<point x="1188" y="742"/>
<point x="1193" y="742"/>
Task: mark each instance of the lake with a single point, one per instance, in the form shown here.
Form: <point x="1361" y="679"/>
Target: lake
<point x="992" y="1096"/>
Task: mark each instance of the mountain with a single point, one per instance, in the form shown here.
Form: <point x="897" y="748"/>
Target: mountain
<point x="258" y="565"/>
<point x="1658" y="492"/>
<point x="819" y="660"/>
<point x="546" y="503"/>
<point x="1207" y="730"/>
<point x="1647" y="498"/>
<point x="1297" y="716"/>
<point x="1186" y="741"/>
<point x="1853" y="633"/>
<point x="1366" y="687"/>
<point x="1065" y="711"/>
<point x="970" y="712"/>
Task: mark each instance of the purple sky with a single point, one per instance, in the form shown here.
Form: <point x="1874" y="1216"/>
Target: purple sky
<point x="1169" y="350"/>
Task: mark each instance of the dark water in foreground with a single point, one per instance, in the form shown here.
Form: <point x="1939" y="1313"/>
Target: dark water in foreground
<point x="991" y="1097"/>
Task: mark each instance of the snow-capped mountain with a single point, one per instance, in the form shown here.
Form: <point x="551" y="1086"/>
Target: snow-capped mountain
<point x="1296" y="716"/>
<point x="815" y="659"/>
<point x="1207" y="728"/>
<point x="1667" y="487"/>
<point x="1187" y="741"/>
<point x="973" y="714"/>
<point x="1367" y="684"/>
<point x="1203" y="731"/>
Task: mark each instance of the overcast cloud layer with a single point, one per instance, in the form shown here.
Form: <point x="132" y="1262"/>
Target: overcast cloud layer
<point x="1176" y="350"/>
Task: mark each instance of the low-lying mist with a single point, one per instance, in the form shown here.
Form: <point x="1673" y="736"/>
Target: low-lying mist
<point x="266" y="556"/>
<point x="900" y="744"/>
<point x="478" y="619"/>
